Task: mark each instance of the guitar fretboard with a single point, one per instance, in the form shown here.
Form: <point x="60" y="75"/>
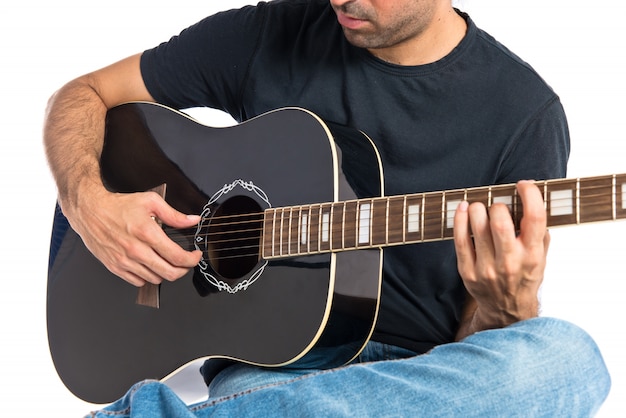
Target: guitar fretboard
<point x="422" y="217"/>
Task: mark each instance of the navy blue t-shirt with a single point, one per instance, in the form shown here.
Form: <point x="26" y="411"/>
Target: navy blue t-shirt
<point x="476" y="117"/>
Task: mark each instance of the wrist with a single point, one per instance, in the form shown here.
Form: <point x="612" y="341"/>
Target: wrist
<point x="86" y="189"/>
<point x="492" y="318"/>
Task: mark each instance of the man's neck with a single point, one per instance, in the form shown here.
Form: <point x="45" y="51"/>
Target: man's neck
<point x="444" y="33"/>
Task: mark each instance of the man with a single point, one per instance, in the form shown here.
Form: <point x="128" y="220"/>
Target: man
<point x="447" y="107"/>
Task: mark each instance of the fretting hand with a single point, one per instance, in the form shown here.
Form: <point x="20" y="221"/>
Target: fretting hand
<point x="502" y="271"/>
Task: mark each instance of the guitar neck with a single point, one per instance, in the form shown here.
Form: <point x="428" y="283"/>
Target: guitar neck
<point x="424" y="217"/>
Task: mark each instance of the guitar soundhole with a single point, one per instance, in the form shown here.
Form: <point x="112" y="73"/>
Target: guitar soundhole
<point x="234" y="237"/>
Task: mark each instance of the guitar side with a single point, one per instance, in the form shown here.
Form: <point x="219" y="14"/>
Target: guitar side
<point x="102" y="342"/>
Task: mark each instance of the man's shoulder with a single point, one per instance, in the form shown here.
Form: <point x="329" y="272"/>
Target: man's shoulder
<point x="277" y="9"/>
<point x="295" y="7"/>
<point x="282" y="17"/>
<point x="500" y="58"/>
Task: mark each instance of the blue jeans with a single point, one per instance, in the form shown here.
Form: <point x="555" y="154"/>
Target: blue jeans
<point x="542" y="367"/>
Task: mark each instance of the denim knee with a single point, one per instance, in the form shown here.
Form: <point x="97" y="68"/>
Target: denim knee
<point x="575" y="371"/>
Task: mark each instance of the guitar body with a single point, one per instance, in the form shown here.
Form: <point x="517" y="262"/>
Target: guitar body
<point x="278" y="312"/>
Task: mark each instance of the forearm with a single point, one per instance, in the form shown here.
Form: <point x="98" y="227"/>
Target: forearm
<point x="118" y="228"/>
<point x="73" y="136"/>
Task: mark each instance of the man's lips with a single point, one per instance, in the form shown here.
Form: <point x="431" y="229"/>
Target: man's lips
<point x="349" y="22"/>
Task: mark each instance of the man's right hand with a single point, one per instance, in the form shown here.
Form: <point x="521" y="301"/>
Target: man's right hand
<point x="120" y="230"/>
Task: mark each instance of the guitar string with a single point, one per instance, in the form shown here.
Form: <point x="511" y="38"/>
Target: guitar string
<point x="418" y="197"/>
<point x="436" y="218"/>
<point x="436" y="214"/>
<point x="431" y="230"/>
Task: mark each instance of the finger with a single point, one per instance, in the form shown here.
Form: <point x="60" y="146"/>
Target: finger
<point x="463" y="244"/>
<point x="170" y="261"/>
<point x="131" y="278"/>
<point x="147" y="265"/>
<point x="502" y="230"/>
<point x="533" y="224"/>
<point x="141" y="280"/>
<point x="159" y="257"/>
<point x="170" y="216"/>
<point x="134" y="272"/>
<point x="481" y="229"/>
<point x="174" y="264"/>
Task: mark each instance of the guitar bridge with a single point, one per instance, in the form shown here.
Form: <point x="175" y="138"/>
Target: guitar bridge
<point x="149" y="294"/>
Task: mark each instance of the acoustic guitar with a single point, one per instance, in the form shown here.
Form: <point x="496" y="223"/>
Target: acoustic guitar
<point x="291" y="269"/>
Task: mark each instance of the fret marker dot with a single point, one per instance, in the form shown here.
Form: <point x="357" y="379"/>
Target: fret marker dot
<point x="413" y="221"/>
<point x="561" y="203"/>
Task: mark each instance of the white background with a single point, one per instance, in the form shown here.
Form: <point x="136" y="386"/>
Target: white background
<point x="578" y="48"/>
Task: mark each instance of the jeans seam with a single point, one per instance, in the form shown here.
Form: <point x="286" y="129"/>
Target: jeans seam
<point x="126" y="411"/>
<point x="221" y="399"/>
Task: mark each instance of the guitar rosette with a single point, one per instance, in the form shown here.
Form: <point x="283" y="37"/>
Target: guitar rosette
<point x="229" y="236"/>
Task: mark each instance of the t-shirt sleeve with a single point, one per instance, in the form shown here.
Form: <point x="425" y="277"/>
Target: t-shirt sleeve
<point x="207" y="63"/>
<point x="543" y="145"/>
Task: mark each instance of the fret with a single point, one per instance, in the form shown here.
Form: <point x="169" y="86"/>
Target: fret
<point x="268" y="232"/>
<point x="284" y="231"/>
<point x="364" y="231"/>
<point x="506" y="194"/>
<point x="314" y="229"/>
<point x="380" y="221"/>
<point x="562" y="202"/>
<point x="596" y="200"/>
<point x="620" y="196"/>
<point x="396" y="220"/>
<point x="432" y="216"/>
<point x="413" y="218"/>
<point x="387" y="220"/>
<point x="407" y="216"/>
<point x="303" y="242"/>
<point x="275" y="233"/>
<point x="384" y="221"/>
<point x="518" y="210"/>
<point x="278" y="232"/>
<point x="615" y="194"/>
<point x="452" y="200"/>
<point x="325" y="230"/>
<point x="444" y="211"/>
<point x="288" y="232"/>
<point x="337" y="228"/>
<point x="294" y="229"/>
<point x="479" y="195"/>
<point x="350" y="224"/>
